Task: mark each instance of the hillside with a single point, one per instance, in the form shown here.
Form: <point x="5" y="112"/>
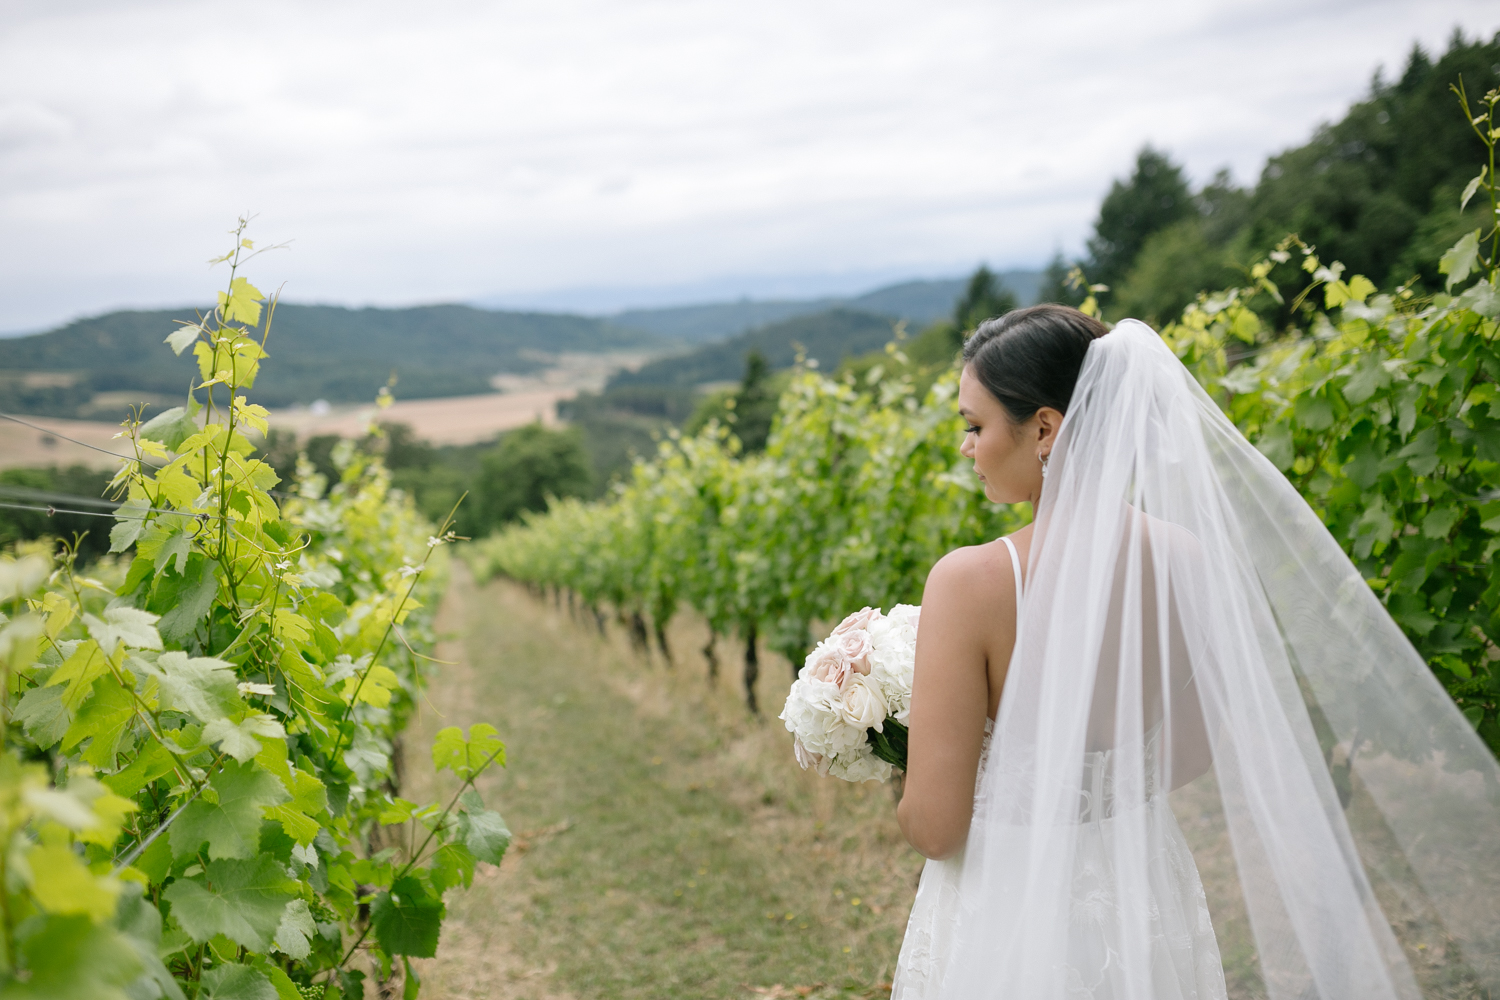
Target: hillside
<point x="827" y="336"/>
<point x="93" y="367"/>
<point x="919" y="302"/>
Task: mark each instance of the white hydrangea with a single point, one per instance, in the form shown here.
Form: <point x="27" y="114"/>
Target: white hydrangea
<point x="854" y="681"/>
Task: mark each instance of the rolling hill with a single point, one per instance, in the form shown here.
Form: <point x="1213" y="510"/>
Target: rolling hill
<point x="919" y="302"/>
<point x="827" y="336"/>
<point x="89" y="367"/>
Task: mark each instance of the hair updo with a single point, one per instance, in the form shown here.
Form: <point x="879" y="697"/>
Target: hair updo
<point x="1030" y="358"/>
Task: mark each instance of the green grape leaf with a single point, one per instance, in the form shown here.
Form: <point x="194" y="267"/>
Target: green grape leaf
<point x="287" y="990"/>
<point x="177" y="546"/>
<point x="43" y="714"/>
<point x="484" y="832"/>
<point x="78" y="672"/>
<point x="151" y="763"/>
<point x="155" y="861"/>
<point x="231" y="826"/>
<point x="131" y="522"/>
<point x="178" y="340"/>
<point x="238" y="739"/>
<point x="236" y="982"/>
<point x="1471" y="187"/>
<point x="242" y="304"/>
<point x="140" y="922"/>
<point x="132" y="626"/>
<point x="174" y="426"/>
<point x="70" y="958"/>
<point x="466" y="758"/>
<point x="452" y="864"/>
<point x="192" y="603"/>
<point x="202" y="686"/>
<point x="375" y="688"/>
<point x="106" y="716"/>
<point x="294" y="933"/>
<point x="63" y="884"/>
<point x="1458" y="262"/>
<point x="241" y="899"/>
<point x="407" y="919"/>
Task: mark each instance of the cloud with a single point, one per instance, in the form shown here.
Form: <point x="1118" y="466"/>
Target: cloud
<point x="458" y="150"/>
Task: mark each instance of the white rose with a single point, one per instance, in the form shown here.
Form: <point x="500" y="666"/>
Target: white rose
<point x="861" y="704"/>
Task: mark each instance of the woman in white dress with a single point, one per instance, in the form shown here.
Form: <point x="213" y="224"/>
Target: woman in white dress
<point x="1175" y="615"/>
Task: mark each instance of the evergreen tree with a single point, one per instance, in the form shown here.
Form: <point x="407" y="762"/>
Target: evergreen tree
<point x="754" y="404"/>
<point x="1155" y="196"/>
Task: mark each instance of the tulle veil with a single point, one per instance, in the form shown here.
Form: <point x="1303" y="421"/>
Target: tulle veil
<point x="1189" y="618"/>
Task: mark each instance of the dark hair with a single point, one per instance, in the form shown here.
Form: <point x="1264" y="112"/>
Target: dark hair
<point x="1030" y="358"/>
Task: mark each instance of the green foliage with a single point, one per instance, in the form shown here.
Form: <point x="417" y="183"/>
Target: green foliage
<point x="1154" y="197"/>
<point x="859" y="490"/>
<point x="984" y="297"/>
<point x="530" y="466"/>
<point x="54" y="487"/>
<point x="216" y="721"/>
<point x="1382" y="409"/>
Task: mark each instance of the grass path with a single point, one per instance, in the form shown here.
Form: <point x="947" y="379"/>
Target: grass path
<point x="667" y="845"/>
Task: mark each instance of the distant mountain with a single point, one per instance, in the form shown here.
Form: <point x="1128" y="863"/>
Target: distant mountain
<point x="827" y="336"/>
<point x="90" y="366"/>
<point x="918" y="302"/>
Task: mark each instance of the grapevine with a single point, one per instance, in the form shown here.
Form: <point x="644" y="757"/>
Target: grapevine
<point x="198" y="789"/>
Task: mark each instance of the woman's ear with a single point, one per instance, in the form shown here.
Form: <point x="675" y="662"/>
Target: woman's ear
<point x="1049" y="421"/>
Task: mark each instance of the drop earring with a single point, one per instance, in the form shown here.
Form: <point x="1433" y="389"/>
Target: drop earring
<point x="1043" y="459"/>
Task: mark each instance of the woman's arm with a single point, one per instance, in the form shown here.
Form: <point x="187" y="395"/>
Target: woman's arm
<point x="950" y="695"/>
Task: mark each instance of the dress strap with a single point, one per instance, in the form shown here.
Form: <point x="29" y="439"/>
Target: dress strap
<point x="1015" y="565"/>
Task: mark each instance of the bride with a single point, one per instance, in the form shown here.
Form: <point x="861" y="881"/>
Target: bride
<point x="1175" y="633"/>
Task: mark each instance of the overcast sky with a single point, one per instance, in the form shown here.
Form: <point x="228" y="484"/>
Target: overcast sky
<point x="600" y="153"/>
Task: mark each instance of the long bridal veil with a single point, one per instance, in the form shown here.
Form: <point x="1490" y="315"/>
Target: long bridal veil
<point x="1192" y="636"/>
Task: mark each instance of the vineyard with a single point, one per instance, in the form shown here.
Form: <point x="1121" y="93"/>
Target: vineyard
<point x="1383" y="410"/>
<point x="200" y="783"/>
<point x="202" y="780"/>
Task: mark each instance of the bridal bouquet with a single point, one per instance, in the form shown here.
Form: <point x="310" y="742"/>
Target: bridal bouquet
<point x="847" y="709"/>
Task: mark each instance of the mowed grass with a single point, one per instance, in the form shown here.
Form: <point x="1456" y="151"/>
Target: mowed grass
<point x="667" y="844"/>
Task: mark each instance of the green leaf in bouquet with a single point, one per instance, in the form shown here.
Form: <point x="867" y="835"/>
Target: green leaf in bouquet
<point x="241" y="899"/>
<point x="407" y="919"/>
<point x="890" y="745"/>
<point x="230" y="826"/>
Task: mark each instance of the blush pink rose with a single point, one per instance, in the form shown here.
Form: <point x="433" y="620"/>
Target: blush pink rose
<point x="859" y="621"/>
<point x="854" y="649"/>
<point x="825" y="664"/>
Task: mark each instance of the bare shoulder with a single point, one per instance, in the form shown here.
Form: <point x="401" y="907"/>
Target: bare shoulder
<point x="972" y="576"/>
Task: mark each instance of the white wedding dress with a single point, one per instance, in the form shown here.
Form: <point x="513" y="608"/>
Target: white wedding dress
<point x="1185" y="955"/>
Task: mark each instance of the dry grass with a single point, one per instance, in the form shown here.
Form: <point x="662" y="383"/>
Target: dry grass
<point x="668" y="845"/>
